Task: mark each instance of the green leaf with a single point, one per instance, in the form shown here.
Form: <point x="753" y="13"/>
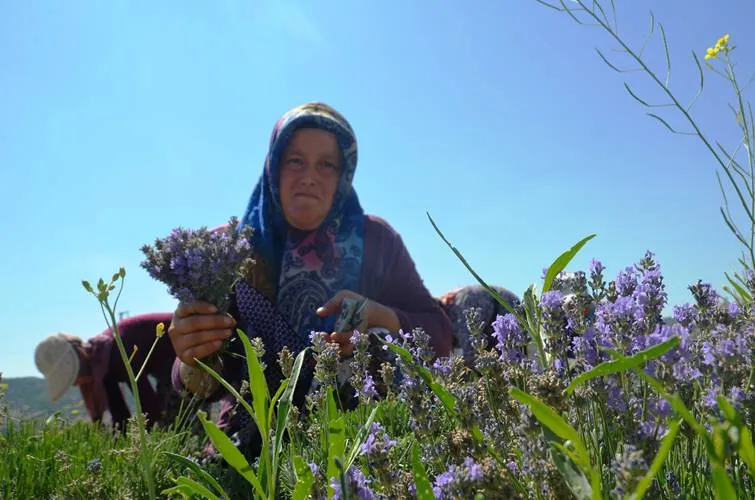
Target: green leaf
<point x="183" y="490"/>
<point x="336" y="446"/>
<point x="304" y="479"/>
<point x="575" y="479"/>
<point x="195" y="488"/>
<point x="624" y="363"/>
<point x="274" y="401"/>
<point x="482" y="283"/>
<point x="421" y="481"/>
<point x="744" y="295"/>
<point x="230" y="453"/>
<point x="553" y="421"/>
<point x="361" y="436"/>
<point x="284" y="407"/>
<point x="257" y="386"/>
<point x="199" y="471"/>
<point x="722" y="483"/>
<point x="655" y="468"/>
<point x="562" y="261"/>
<point x="746" y="449"/>
<point x="229" y="388"/>
<point x="728" y="410"/>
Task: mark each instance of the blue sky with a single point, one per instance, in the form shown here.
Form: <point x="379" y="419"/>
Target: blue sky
<point x="121" y="120"/>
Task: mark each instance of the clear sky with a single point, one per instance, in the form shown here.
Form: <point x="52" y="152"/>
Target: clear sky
<point x="120" y="120"/>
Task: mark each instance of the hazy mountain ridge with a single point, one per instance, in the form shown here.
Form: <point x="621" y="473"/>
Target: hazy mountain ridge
<point x="26" y="398"/>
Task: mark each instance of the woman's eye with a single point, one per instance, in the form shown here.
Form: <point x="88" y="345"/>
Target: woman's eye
<point x="294" y="162"/>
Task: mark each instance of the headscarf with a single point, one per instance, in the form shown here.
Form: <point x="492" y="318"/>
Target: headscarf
<point x="306" y="268"/>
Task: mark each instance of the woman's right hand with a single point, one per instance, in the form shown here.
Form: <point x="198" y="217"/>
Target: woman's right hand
<point x="196" y="331"/>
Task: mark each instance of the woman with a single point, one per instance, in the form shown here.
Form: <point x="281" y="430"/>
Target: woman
<point x="316" y="247"/>
<point x="96" y="367"/>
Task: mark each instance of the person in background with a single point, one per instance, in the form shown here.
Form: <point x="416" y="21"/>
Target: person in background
<point x="95" y="366"/>
<point x="459" y="300"/>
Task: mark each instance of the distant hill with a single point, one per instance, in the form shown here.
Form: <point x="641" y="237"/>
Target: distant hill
<point x="26" y="397"/>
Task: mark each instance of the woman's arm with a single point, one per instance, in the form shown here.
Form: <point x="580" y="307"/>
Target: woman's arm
<point x="391" y="279"/>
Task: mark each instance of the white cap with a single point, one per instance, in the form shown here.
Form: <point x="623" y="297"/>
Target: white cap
<point x="59" y="362"/>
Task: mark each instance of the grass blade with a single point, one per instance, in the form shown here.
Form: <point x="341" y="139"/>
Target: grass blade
<point x="199" y="471"/>
<point x="195" y="488"/>
<point x="364" y="431"/>
<point x="421" y="481"/>
<point x="230" y="453"/>
<point x="724" y="488"/>
<point x="305" y="479"/>
<point x="336" y="447"/>
<point x="257" y="386"/>
<point x="482" y="283"/>
<point x="562" y="261"/>
<point x="658" y="461"/>
<point x="624" y="363"/>
<point x="284" y="406"/>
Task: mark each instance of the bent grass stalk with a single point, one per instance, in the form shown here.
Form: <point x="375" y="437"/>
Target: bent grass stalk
<point x="102" y="295"/>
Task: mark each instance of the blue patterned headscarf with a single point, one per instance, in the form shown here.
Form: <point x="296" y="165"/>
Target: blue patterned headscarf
<point x="306" y="268"/>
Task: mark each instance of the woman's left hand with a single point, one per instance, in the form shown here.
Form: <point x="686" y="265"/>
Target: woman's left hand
<point x="375" y="315"/>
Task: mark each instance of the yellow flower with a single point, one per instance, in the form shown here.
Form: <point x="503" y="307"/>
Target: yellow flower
<point x="722" y="45"/>
<point x="160" y="330"/>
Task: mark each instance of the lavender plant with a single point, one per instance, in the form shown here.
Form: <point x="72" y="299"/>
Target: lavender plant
<point x="202" y="265"/>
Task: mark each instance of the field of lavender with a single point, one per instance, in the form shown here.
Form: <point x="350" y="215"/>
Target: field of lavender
<point x="583" y="391"/>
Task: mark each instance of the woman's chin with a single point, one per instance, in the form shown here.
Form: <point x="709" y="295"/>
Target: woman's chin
<point x="304" y="222"/>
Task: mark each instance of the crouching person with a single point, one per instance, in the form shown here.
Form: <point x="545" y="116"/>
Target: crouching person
<point x="456" y="303"/>
<point x="96" y="367"/>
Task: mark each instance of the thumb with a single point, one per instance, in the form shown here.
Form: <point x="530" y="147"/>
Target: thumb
<point x="330" y="307"/>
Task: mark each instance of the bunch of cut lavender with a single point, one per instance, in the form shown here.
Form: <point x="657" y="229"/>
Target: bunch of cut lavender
<point x="201" y="264"/>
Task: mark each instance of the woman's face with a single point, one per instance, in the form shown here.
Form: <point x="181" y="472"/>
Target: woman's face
<point x="309" y="172"/>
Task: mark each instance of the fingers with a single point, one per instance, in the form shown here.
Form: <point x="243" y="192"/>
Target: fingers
<point x="330" y="307"/>
<point x="333" y="306"/>
<point x="195" y="332"/>
<point x="341" y="337"/>
<point x="186" y="309"/>
<point x="346" y="348"/>
<point x="200" y="352"/>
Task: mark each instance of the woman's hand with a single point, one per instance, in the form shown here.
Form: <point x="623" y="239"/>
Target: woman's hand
<point x="196" y="331"/>
<point x="375" y="315"/>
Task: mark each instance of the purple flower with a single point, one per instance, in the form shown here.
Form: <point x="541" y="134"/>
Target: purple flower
<point x="474" y="470"/>
<point x="616" y="399"/>
<point x="626" y="281"/>
<point x="596" y="267"/>
<point x="511" y="338"/>
<point x="685" y="314"/>
<point x="458" y="481"/>
<point x="368" y="388"/>
<point x="551" y="299"/>
<point x="374" y="444"/>
<point x="356" y="483"/>
<point x="734" y="310"/>
<point x="200" y="265"/>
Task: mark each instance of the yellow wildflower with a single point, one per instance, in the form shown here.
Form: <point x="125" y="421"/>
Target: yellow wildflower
<point x="160" y="330"/>
<point x="722" y="45"/>
<point x="723" y="42"/>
